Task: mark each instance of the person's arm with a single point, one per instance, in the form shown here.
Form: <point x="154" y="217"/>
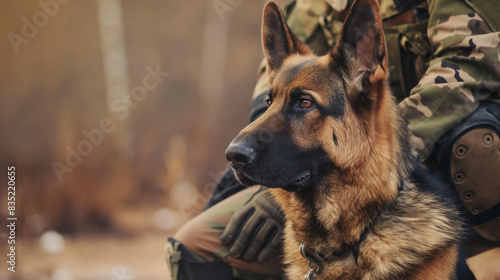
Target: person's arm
<point x="464" y="70"/>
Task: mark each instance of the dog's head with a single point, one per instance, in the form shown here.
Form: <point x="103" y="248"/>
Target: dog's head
<point x="327" y="115"/>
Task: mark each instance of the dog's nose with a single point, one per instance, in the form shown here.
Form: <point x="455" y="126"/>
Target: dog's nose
<point x="239" y="154"/>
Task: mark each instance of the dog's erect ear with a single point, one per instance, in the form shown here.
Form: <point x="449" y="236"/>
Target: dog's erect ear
<point x="278" y="40"/>
<point x="361" y="49"/>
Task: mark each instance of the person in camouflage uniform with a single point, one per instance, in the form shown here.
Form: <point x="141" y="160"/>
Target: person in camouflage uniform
<point x="444" y="65"/>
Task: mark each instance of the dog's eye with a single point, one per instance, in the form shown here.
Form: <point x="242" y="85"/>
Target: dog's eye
<point x="269" y="101"/>
<point x="304" y="103"/>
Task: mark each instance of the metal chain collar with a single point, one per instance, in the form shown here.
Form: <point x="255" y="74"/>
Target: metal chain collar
<point x="313" y="264"/>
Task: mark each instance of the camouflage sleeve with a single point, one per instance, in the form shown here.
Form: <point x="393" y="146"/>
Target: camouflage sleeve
<point x="464" y="70"/>
<point x="259" y="106"/>
<point x="262" y="83"/>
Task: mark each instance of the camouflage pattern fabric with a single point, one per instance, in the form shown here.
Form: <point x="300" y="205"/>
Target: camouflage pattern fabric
<point x="464" y="70"/>
<point x="201" y="236"/>
<point x="456" y="61"/>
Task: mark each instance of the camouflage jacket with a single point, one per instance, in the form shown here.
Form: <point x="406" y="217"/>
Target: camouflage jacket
<point x="443" y="56"/>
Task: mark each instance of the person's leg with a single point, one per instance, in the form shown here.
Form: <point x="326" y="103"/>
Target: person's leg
<point x="203" y="249"/>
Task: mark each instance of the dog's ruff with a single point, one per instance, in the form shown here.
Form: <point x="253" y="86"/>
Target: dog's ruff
<point x="335" y="151"/>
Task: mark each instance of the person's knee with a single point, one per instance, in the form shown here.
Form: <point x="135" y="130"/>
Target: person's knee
<point x="189" y="234"/>
<point x="200" y="237"/>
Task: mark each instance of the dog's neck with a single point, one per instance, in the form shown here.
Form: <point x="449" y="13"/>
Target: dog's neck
<point x="335" y="211"/>
<point x="396" y="229"/>
<point x="337" y="225"/>
<point x="346" y="248"/>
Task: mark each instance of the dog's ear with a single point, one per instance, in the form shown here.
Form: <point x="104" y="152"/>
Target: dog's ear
<point x="278" y="40"/>
<point x="361" y="49"/>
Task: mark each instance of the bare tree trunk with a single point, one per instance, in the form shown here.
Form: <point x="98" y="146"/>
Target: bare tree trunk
<point x="211" y="93"/>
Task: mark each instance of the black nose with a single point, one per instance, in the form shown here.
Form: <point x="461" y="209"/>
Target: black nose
<point x="239" y="154"/>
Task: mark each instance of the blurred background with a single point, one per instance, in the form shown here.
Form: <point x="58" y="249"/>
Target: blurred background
<point x="116" y="115"/>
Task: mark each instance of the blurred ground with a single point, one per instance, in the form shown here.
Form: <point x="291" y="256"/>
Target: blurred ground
<point x="67" y="68"/>
<point x="96" y="257"/>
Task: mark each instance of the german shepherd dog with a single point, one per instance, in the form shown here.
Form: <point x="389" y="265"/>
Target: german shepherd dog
<point x="335" y="153"/>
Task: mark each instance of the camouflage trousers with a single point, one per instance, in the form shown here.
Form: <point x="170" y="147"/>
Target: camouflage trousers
<point x="201" y="236"/>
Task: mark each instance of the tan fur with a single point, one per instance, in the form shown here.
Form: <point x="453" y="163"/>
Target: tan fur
<point x="411" y="233"/>
<point x="416" y="242"/>
<point x="440" y="266"/>
<point x="395" y="244"/>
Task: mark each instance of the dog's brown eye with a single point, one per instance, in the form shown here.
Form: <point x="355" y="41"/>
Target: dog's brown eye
<point x="269" y="101"/>
<point x="306" y="103"/>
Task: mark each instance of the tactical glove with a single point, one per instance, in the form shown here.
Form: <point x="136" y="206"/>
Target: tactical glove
<point x="255" y="230"/>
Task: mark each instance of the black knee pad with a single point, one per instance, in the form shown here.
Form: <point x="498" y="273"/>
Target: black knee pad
<point x="185" y="265"/>
<point x="469" y="157"/>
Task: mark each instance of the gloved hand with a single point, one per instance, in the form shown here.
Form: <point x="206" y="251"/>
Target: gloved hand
<point x="255" y="230"/>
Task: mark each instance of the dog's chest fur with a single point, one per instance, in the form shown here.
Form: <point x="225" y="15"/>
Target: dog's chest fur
<point x="338" y="153"/>
<point x="405" y="241"/>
